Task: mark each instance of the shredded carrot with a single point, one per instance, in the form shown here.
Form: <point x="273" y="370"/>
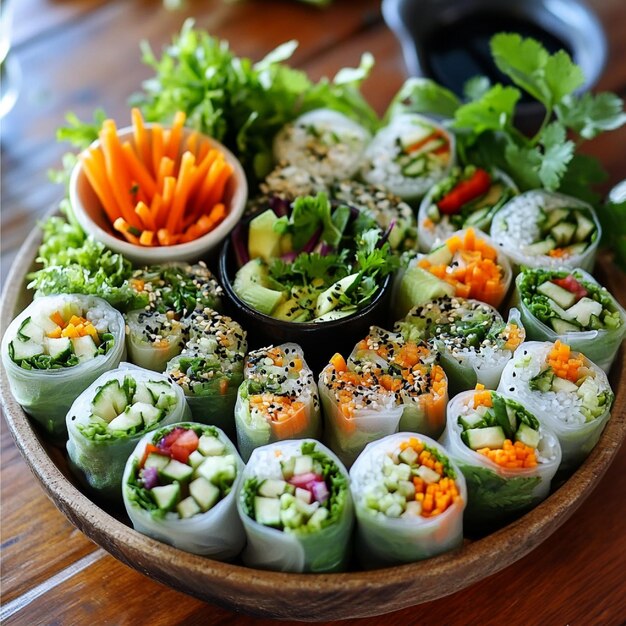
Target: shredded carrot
<point x="563" y="363"/>
<point x="512" y="455"/>
<point x="338" y="362"/>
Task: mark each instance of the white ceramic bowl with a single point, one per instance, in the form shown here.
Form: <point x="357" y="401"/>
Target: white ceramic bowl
<point x="92" y="219"/>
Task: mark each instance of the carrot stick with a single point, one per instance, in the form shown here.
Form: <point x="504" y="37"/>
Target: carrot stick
<point x="157" y="147"/>
<point x="116" y="173"/>
<point x="166" y="168"/>
<point x="122" y="226"/>
<point x="138" y="170"/>
<point x="142" y="142"/>
<point x="169" y="185"/>
<point x="203" y="149"/>
<point x="173" y="145"/>
<point x="97" y="179"/>
<point x="191" y="143"/>
<point x="220" y="183"/>
<point x="145" y="215"/>
<point x="185" y="175"/>
<point x="155" y="206"/>
<point x="207" y="184"/>
<point x="146" y="238"/>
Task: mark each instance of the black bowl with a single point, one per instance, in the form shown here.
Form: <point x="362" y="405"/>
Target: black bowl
<point x="319" y="340"/>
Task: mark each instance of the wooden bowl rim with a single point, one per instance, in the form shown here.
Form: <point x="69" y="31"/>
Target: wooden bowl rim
<point x="334" y="596"/>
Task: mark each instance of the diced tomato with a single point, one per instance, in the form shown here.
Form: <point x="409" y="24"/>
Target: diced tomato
<point x="186" y="443"/>
<point x="464" y="191"/>
<point x="165" y="445"/>
<point x="572" y="285"/>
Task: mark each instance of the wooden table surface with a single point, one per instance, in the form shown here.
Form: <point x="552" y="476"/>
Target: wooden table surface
<point x="82" y="54"/>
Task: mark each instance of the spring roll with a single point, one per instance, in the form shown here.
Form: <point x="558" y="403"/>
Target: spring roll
<point x="472" y="339"/>
<point x="277" y="400"/>
<point x="467" y="197"/>
<point x="408" y="156"/>
<point x="546" y="229"/>
<point x="296" y="508"/>
<point x="573" y="307"/>
<point x="411" y="372"/>
<point x="409" y="499"/>
<point x="565" y="390"/>
<point x="179" y="487"/>
<point x="108" y="419"/>
<point x="507" y="456"/>
<point x="55" y="349"/>
<point x="210" y="368"/>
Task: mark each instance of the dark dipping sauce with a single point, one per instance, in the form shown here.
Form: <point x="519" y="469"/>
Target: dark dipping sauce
<point x="456" y="51"/>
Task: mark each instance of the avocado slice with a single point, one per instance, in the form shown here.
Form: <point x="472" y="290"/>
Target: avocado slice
<point x="263" y="240"/>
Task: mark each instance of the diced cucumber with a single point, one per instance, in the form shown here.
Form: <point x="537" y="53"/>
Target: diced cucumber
<point x="595" y="323"/>
<point x="109" y="401"/>
<point x="205" y="493"/>
<point x="427" y="474"/>
<point x="272" y="488"/>
<point x="491" y="437"/>
<point x="166" y="496"/>
<point x="130" y="418"/>
<point x="562" y="384"/>
<point x="527" y="435"/>
<point x="143" y="394"/>
<point x="540" y="248"/>
<point x="408" y="455"/>
<point x="46" y="324"/>
<point x="58" y="348"/>
<point x="318" y="517"/>
<point x="562" y="327"/>
<point x="543" y="381"/>
<point x="306" y="509"/>
<point x="210" y="446"/>
<point x="440" y="256"/>
<point x="563" y="233"/>
<point x="156" y="460"/>
<point x="554" y="217"/>
<point x="20" y="350"/>
<point x="287" y="467"/>
<point x="195" y="458"/>
<point x="413" y="507"/>
<point x="217" y="468"/>
<point x="561" y="296"/>
<point x="303" y="465"/>
<point x="267" y="511"/>
<point x="188" y="508"/>
<point x="30" y="330"/>
<point x="291" y="517"/>
<point x="162" y="394"/>
<point x="473" y="420"/>
<point x="407" y="489"/>
<point x="84" y="348"/>
<point x="583" y="310"/>
<point x="575" y="249"/>
<point x="585" y="227"/>
<point x="303" y="494"/>
<point x="175" y="470"/>
<point x="150" y="414"/>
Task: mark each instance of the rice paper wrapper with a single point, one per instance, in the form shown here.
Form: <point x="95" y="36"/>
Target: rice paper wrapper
<point x="438" y="233"/>
<point x="560" y="411"/>
<point x="348" y="436"/>
<point x="47" y="395"/>
<point x="383" y="540"/>
<point x="600" y="346"/>
<point x="99" y="463"/>
<point x="521" y="214"/>
<point x="217" y="533"/>
<point x="325" y="550"/>
<point x="495" y="493"/>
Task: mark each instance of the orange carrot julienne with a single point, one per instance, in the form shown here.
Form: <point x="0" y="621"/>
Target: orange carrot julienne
<point x="122" y="226"/>
<point x="191" y="143"/>
<point x="157" y="146"/>
<point x="141" y="138"/>
<point x="138" y="170"/>
<point x="166" y="168"/>
<point x="174" y="219"/>
<point x="169" y="186"/>
<point x="173" y="145"/>
<point x="97" y="179"/>
<point x="146" y="238"/>
<point x="220" y="183"/>
<point x="145" y="215"/>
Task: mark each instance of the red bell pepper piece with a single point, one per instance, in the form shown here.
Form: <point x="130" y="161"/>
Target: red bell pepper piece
<point x="464" y="191"/>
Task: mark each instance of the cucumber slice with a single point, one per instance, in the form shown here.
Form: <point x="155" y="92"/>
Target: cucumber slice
<point x="543" y="381"/>
<point x="414" y="167"/>
<point x="84" y="348"/>
<point x="210" y="446"/>
<point x="408" y="456"/>
<point x="166" y="496"/>
<point x="561" y="296"/>
<point x="541" y="247"/>
<point x="440" y="256"/>
<point x="216" y="469"/>
<point x="583" y="310"/>
<point x="188" y="508"/>
<point x="575" y="249"/>
<point x="109" y="401"/>
<point x="562" y="327"/>
<point x="150" y="414"/>
<point x="195" y="459"/>
<point x="527" y="435"/>
<point x="414" y="135"/>
<point x="562" y="384"/>
<point x="303" y="465"/>
<point x="58" y="348"/>
<point x="473" y="420"/>
<point x="427" y="474"/>
<point x="267" y="511"/>
<point x="206" y="494"/>
<point x="491" y="437"/>
<point x="329" y="299"/>
<point x="585" y="227"/>
<point x="157" y="460"/>
<point x="563" y="233"/>
<point x="287" y="467"/>
<point x="175" y="470"/>
<point x="554" y="217"/>
<point x="20" y="350"/>
<point x="30" y="330"/>
<point x="143" y="394"/>
<point x="130" y="418"/>
<point x="272" y="488"/>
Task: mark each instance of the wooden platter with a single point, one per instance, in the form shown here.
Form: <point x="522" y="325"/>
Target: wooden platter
<point x="299" y="596"/>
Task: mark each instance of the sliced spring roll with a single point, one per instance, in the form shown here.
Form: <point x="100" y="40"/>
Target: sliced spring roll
<point x="466" y="265"/>
<point x="573" y="307"/>
<point x="108" y="419"/>
<point x="296" y="508"/>
<point x="179" y="487"/>
<point x="278" y="399"/>
<point x="325" y="143"/>
<point x="357" y="409"/>
<point x="409" y="499"/>
<point x="55" y="349"/>
<point x="408" y="156"/>
<point x="565" y="390"/>
<point x="473" y="340"/>
<point x="410" y="371"/>
<point x="389" y="210"/>
<point x="210" y="368"/>
<point x="546" y="229"/>
<point x="467" y="197"/>
<point x="507" y="457"/>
